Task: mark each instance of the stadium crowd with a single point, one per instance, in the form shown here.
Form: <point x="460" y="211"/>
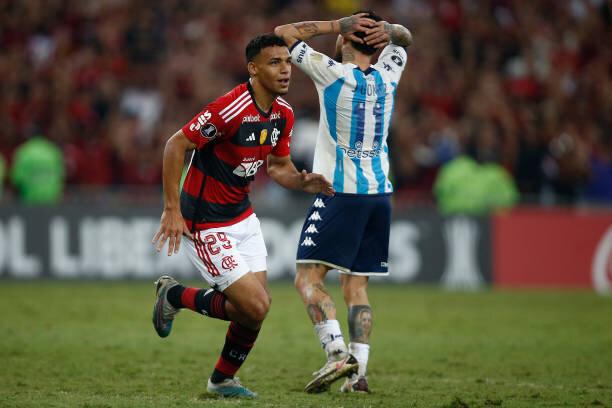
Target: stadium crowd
<point x="526" y="84"/>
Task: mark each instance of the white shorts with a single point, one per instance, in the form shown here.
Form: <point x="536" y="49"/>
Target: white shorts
<point x="225" y="254"/>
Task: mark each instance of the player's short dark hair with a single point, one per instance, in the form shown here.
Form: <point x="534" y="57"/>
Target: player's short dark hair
<point x="260" y="42"/>
<point x="365" y="48"/>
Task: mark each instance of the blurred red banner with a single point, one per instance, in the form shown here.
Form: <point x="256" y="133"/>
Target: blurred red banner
<point x="553" y="248"/>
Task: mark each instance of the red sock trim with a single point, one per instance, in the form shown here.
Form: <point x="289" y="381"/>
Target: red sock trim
<point x="218" y="306"/>
<point x="226" y="367"/>
<point x="188" y="298"/>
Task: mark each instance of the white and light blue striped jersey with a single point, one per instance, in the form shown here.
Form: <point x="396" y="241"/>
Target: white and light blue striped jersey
<point x="356" y="108"/>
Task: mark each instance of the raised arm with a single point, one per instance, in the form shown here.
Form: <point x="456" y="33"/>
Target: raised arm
<point x="305" y="30"/>
<point x="383" y="32"/>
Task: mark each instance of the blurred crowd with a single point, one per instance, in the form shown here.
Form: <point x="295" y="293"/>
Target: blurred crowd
<point x="525" y="84"/>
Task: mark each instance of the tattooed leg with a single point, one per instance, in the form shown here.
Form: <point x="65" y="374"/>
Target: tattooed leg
<point x="360" y="323"/>
<point x="359" y="320"/>
<point x="309" y="283"/>
<point x="321" y="309"/>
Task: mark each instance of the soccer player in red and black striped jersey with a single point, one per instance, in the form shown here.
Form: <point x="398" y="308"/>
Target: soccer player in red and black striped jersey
<point x="232" y="137"/>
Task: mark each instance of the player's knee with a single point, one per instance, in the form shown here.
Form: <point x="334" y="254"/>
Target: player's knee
<point x="301" y="281"/>
<point x="354" y="294"/>
<point x="306" y="277"/>
<point x="303" y="284"/>
<point x="258" y="309"/>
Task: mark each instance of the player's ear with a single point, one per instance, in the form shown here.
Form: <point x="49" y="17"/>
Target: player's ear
<point x="252" y="67"/>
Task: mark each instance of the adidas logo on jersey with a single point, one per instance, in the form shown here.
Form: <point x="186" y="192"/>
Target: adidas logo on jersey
<point x="251" y="138"/>
<point x="312" y="229"/>
<point x="319" y="203"/>
<point x="315" y="217"/>
<point x="308" y="242"/>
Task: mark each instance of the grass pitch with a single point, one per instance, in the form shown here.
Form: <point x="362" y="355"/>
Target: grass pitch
<point x="70" y="344"/>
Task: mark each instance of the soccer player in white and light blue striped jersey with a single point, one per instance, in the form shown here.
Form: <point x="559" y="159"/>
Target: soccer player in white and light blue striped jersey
<point x="349" y="231"/>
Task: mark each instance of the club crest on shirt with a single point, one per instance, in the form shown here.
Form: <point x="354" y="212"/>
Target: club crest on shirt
<point x="274" y="137"/>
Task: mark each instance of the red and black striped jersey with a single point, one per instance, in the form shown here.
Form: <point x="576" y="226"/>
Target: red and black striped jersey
<point x="233" y="138"/>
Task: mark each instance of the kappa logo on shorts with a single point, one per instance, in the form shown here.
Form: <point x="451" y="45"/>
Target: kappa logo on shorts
<point x="319" y="203"/>
<point x="312" y="229"/>
<point x="315" y="217"/>
<point x="308" y="242"/>
<point x="228" y="263"/>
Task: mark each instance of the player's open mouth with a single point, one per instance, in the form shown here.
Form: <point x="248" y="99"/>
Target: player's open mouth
<point x="284" y="82"/>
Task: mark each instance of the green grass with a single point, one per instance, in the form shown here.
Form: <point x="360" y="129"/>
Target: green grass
<point x="92" y="344"/>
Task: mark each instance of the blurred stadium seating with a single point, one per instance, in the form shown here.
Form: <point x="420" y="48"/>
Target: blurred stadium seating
<point x="525" y="84"/>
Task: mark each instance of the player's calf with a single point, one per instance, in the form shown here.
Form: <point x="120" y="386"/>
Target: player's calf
<point x="209" y="302"/>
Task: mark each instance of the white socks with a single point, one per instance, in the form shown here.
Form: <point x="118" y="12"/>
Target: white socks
<point x="331" y="339"/>
<point x="361" y="351"/>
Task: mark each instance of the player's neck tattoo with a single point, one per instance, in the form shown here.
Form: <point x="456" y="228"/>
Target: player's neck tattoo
<point x="348" y="55"/>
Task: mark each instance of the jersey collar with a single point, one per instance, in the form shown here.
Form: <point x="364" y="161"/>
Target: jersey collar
<point x="252" y="92"/>
<point x="367" y="71"/>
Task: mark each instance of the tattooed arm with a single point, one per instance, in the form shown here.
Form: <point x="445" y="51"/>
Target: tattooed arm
<point x="383" y="32"/>
<point x="305" y="30"/>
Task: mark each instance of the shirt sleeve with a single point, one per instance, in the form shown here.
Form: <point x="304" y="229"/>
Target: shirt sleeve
<point x="283" y="147"/>
<point x="206" y="126"/>
<point x="321" y="68"/>
<point x="392" y="60"/>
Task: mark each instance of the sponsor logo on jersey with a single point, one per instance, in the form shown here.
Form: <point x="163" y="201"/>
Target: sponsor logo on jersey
<point x="308" y="242"/>
<point x="251" y="137"/>
<point x="398" y="60"/>
<point x="319" y="203"/>
<point x="302" y="53"/>
<point x="250" y="118"/>
<point x="274" y="137"/>
<point x="247" y="169"/>
<point x="263" y="136"/>
<point x="312" y="229"/>
<point x="229" y="263"/>
<point x="209" y="131"/>
<point x="359" y="153"/>
<point x="275" y="116"/>
<point x="200" y="121"/>
<point x="315" y="216"/>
